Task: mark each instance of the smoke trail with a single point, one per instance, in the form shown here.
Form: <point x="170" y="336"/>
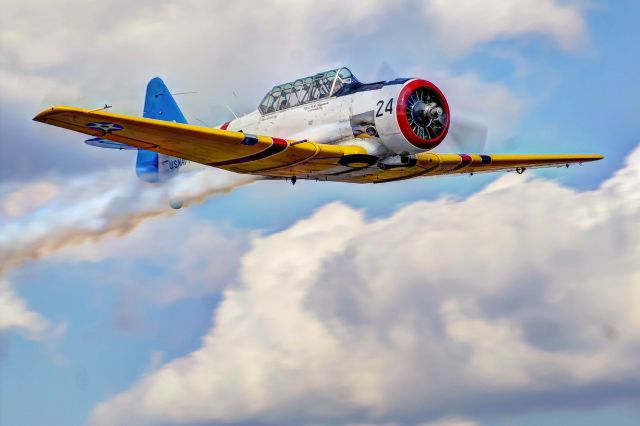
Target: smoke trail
<point x="47" y="216"/>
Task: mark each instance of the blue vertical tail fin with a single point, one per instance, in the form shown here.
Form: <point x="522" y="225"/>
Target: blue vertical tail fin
<point x="159" y="104"/>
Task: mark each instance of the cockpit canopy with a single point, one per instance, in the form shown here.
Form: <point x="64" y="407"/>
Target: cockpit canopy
<point x="305" y="90"/>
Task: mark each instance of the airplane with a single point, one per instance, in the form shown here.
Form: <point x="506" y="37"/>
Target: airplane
<point x="325" y="127"/>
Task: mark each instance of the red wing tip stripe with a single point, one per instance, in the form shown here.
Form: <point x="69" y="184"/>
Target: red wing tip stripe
<point x="280" y="141"/>
<point x="276" y="147"/>
<point x="465" y="160"/>
<point x="225" y="125"/>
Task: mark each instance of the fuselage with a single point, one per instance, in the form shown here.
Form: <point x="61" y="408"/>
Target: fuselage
<point x="389" y="120"/>
<point x="370" y="117"/>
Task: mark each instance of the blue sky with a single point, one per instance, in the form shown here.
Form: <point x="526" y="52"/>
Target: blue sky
<point x="105" y="320"/>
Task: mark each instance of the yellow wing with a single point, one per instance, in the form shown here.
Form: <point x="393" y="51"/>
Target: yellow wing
<point x="436" y="164"/>
<point x="230" y="150"/>
<point x="280" y="158"/>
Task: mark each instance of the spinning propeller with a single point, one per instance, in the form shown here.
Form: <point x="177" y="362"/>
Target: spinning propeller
<point x="466" y="135"/>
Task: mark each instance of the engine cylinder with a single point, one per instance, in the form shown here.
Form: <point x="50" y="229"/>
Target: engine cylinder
<point x="423" y="114"/>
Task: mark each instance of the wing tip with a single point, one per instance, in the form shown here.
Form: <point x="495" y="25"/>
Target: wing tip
<point x="42" y="115"/>
<point x="594" y="157"/>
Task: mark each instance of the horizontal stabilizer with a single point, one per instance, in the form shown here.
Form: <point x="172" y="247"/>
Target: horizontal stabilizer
<point x="104" y="143"/>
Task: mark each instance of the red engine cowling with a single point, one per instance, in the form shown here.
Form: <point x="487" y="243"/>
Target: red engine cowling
<point x="423" y="114"/>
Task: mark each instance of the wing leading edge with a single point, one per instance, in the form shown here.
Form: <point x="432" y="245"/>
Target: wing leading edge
<point x="280" y="158"/>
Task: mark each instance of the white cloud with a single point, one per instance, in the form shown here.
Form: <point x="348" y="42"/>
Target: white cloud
<point x="220" y="47"/>
<point x="15" y="314"/>
<point x="523" y="290"/>
<point x="451" y="421"/>
<point x="464" y="24"/>
<point x="445" y="421"/>
<point x="209" y="45"/>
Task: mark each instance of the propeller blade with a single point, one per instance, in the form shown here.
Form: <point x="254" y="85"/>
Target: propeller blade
<point x="385" y="72"/>
<point x="467" y="135"/>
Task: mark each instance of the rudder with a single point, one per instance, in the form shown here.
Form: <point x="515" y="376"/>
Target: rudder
<point x="159" y="104"/>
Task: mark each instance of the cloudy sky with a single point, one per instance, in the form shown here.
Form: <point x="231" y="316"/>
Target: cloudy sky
<point x="485" y="300"/>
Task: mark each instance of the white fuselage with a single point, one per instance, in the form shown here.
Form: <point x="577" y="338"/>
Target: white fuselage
<point x="337" y="120"/>
<point x="370" y="117"/>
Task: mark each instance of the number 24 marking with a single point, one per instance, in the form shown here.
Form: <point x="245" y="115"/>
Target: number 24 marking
<point x="388" y="108"/>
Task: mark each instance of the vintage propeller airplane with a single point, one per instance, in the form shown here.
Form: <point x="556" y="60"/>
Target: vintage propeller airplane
<point x="326" y="127"/>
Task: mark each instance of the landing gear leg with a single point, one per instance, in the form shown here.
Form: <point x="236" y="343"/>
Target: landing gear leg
<point x="293" y="180"/>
